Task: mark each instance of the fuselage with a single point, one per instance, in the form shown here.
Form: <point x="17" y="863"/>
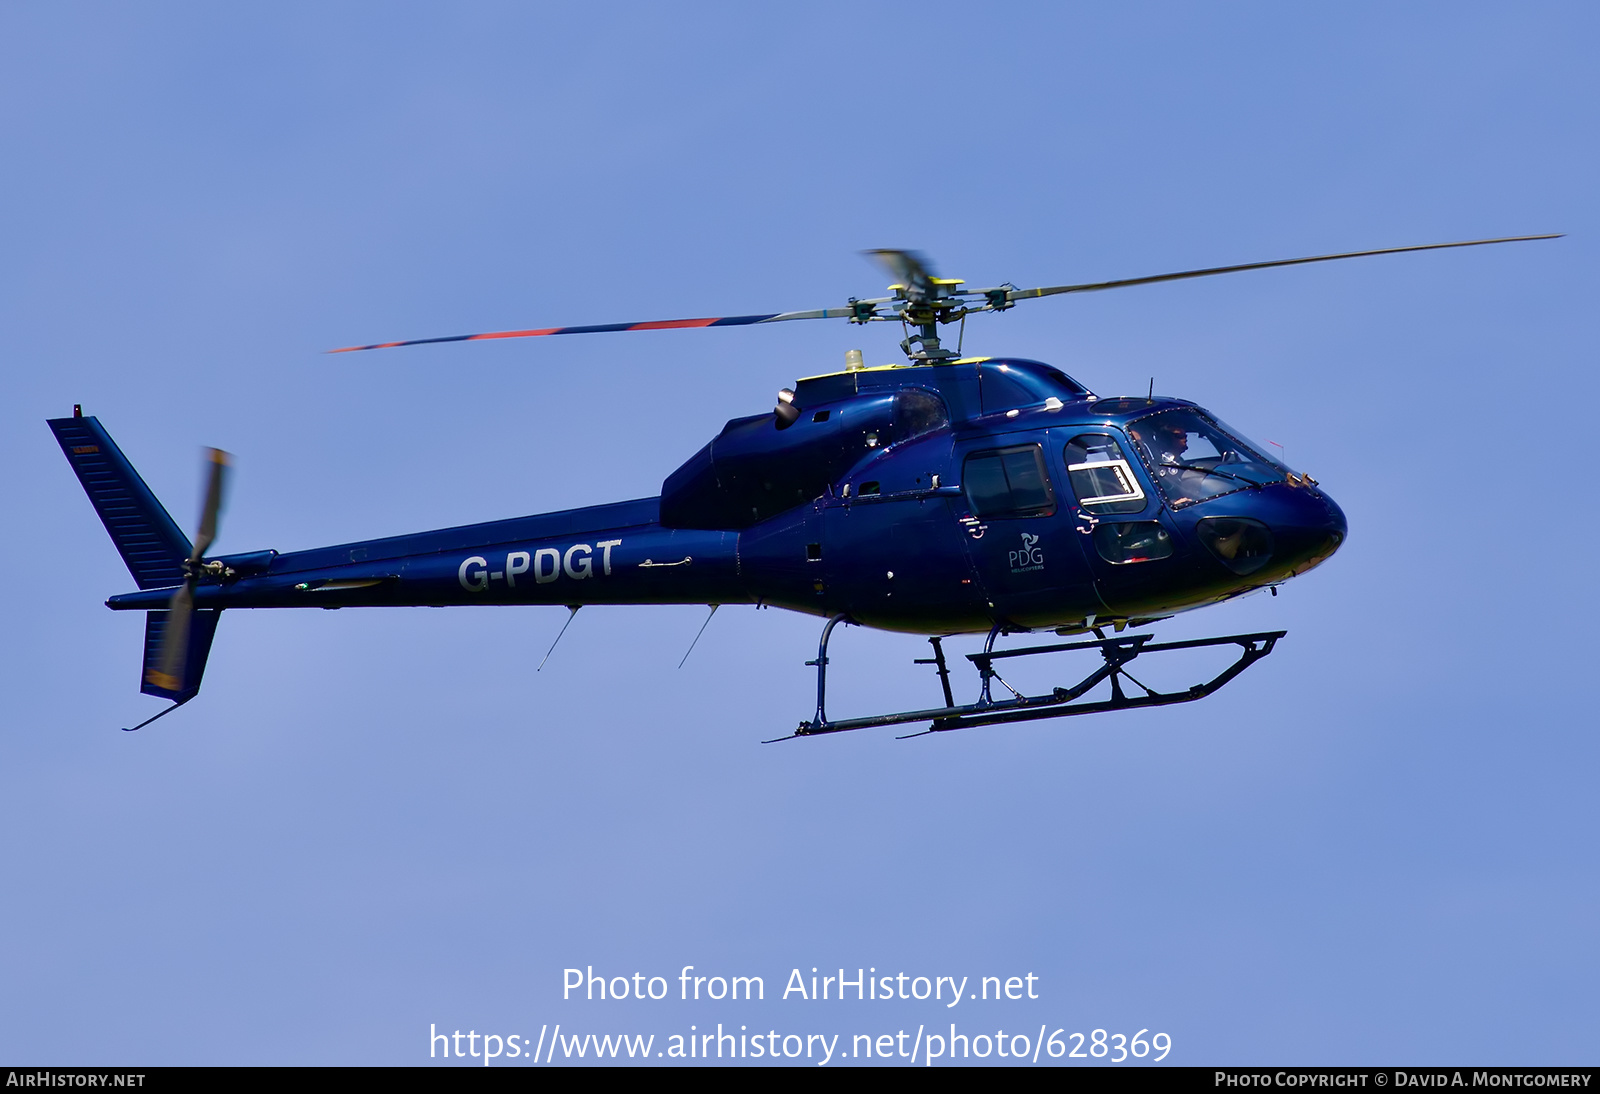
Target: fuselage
<point x="929" y="499"/>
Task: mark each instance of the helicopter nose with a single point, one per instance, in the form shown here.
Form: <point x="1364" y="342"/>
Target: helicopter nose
<point x="1310" y="531"/>
<point x="1276" y="533"/>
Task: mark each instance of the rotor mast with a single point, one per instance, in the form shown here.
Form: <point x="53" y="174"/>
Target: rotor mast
<point x="923" y="302"/>
<point x="924" y="314"/>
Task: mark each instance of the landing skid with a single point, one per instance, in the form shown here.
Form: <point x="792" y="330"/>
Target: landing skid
<point x="1115" y="653"/>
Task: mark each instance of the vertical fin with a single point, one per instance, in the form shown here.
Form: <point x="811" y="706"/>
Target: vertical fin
<point x="150" y="542"/>
<point x="202" y="627"/>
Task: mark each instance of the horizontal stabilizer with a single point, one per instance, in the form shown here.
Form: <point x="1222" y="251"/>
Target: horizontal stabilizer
<point x="151" y="544"/>
<point x="202" y="628"/>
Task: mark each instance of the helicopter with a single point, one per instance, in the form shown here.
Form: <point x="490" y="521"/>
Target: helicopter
<point x="945" y="495"/>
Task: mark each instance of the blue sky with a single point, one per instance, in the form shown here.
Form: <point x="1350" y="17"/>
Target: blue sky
<point x="1376" y="846"/>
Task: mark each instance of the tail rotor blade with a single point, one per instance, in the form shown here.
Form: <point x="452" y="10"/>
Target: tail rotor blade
<point x="175" y="640"/>
<point x="180" y="609"/>
<point x="216" y="486"/>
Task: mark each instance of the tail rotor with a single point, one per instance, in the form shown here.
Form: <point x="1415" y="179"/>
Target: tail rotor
<point x="171" y="672"/>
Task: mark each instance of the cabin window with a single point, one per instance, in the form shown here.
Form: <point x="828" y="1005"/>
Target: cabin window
<point x="1241" y="544"/>
<point x="1010" y="482"/>
<point x="1139" y="541"/>
<point x="1101" y="476"/>
<point x="917" y="412"/>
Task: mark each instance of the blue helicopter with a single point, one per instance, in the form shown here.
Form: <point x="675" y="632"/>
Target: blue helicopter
<point x="946" y="495"/>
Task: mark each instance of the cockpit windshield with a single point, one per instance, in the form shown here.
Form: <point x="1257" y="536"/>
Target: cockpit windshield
<point x="1193" y="458"/>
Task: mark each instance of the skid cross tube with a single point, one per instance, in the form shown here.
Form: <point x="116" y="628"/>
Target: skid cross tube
<point x="1115" y="653"/>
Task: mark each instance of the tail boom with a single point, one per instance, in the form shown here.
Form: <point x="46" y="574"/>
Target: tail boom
<point x="634" y="563"/>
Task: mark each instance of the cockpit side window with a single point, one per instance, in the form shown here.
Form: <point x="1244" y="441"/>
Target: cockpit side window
<point x="1193" y="458"/>
<point x="1009" y="482"/>
<point x="1101" y="476"/>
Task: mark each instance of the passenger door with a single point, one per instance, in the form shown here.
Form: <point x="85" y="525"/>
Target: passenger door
<point x="1018" y="534"/>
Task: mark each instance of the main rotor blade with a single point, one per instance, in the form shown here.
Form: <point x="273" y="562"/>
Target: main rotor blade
<point x="910" y="268"/>
<point x="212" y="506"/>
<point x="913" y="270"/>
<point x="606" y="328"/>
<point x="1025" y="294"/>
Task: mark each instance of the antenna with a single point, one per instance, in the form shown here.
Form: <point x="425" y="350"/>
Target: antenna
<point x="697" y="635"/>
<point x="169" y="710"/>
<point x="573" y="608"/>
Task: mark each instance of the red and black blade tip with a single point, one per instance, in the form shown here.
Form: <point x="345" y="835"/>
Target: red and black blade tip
<point x="599" y="328"/>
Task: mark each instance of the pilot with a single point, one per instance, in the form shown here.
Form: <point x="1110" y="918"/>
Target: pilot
<point x="1171" y="441"/>
<point x="1166" y="442"/>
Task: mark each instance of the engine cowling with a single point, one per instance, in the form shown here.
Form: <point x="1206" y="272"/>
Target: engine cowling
<point x="758" y="467"/>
